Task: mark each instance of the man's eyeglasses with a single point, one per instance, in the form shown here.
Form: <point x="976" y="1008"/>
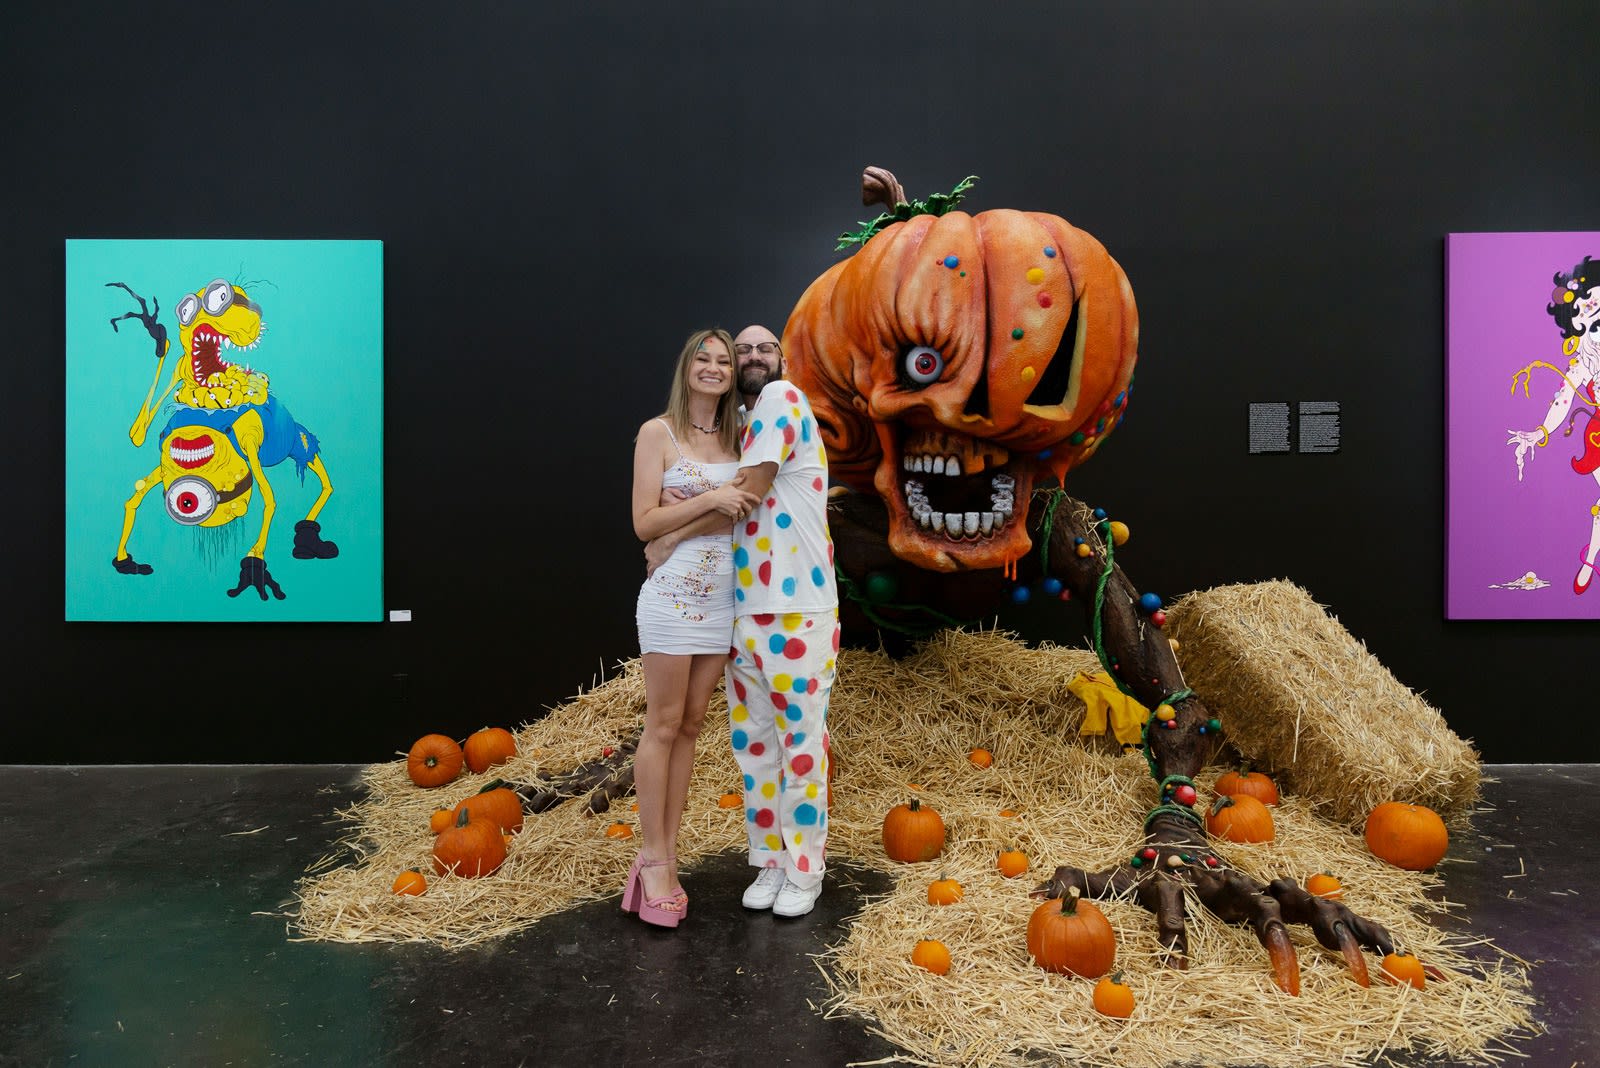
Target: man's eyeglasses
<point x="766" y="348"/>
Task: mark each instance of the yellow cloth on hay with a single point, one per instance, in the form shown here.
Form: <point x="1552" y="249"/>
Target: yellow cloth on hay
<point x="1101" y="699"/>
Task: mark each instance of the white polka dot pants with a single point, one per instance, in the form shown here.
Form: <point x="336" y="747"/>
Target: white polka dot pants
<point x="780" y="673"/>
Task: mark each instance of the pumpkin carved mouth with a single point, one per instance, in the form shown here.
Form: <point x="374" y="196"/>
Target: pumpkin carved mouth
<point x="954" y="500"/>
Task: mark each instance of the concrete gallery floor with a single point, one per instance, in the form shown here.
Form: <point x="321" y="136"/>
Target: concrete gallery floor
<point x="142" y="923"/>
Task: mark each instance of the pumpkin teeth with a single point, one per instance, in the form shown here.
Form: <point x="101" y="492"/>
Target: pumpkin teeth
<point x="965" y="524"/>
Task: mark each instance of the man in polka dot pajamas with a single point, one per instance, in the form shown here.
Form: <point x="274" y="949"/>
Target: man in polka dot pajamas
<point x="785" y="633"/>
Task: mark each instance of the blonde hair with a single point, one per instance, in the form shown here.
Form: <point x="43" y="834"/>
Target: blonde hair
<point x="677" y="412"/>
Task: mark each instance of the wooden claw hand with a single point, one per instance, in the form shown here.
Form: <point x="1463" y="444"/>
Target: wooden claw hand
<point x="603" y="780"/>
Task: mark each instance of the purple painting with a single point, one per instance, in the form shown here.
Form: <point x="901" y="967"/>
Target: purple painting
<point x="1522" y="448"/>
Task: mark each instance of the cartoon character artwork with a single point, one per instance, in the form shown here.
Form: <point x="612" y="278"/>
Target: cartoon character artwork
<point x="1522" y="442"/>
<point x="1575" y="307"/>
<point x="225" y="430"/>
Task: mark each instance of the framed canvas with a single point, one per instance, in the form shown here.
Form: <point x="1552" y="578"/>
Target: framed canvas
<point x="1522" y="445"/>
<point x="224" y="430"/>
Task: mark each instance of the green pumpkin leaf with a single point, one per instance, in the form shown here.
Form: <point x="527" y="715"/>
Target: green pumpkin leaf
<point x="936" y="204"/>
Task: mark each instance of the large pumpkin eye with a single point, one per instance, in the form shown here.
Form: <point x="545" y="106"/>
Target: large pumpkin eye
<point x="924" y="365"/>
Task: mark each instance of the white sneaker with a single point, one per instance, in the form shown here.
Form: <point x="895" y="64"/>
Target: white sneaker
<point x="796" y="900"/>
<point x="764" y="891"/>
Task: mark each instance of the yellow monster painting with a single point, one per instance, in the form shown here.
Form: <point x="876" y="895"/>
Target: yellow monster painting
<point x="225" y="430"/>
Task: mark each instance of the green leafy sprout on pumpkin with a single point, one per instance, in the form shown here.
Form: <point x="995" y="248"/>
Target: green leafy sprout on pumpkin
<point x="936" y="204"/>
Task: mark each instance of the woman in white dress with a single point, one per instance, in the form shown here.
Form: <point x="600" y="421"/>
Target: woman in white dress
<point x="685" y="608"/>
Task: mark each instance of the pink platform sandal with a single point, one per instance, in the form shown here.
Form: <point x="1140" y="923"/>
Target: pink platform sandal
<point x="680" y="895"/>
<point x="653" y="910"/>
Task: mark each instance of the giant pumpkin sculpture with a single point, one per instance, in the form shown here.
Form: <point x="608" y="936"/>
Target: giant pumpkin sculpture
<point x="954" y="361"/>
<point x="957" y="364"/>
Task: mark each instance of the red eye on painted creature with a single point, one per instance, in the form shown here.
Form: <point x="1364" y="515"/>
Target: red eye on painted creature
<point x="924" y="365"/>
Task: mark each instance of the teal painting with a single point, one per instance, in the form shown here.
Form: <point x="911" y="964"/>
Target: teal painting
<point x="224" y="431"/>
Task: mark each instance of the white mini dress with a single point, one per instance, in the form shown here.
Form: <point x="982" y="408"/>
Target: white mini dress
<point x="686" y="606"/>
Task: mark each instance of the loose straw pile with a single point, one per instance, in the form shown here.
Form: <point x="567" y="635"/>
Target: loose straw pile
<point x="1303" y="699"/>
<point x="904" y="729"/>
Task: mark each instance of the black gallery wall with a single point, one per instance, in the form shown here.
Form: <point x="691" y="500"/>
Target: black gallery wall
<point x="563" y="196"/>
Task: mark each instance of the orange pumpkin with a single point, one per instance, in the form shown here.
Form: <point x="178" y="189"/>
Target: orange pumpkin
<point x="1113" y="998"/>
<point x="500" y="804"/>
<point x="1249" y="783"/>
<point x="434" y="760"/>
<point x="1408" y="836"/>
<point x="981" y="757"/>
<point x="1240" y="819"/>
<point x="1400" y="968"/>
<point x="944" y="891"/>
<point x="1071" y="936"/>
<point x="619" y="830"/>
<point x="441" y="819"/>
<point x="1008" y="814"/>
<point x="1011" y="862"/>
<point x="912" y="833"/>
<point x="1006" y="333"/>
<point x="472" y="848"/>
<point x="1324" y="885"/>
<point x="488" y="747"/>
<point x="730" y="800"/>
<point x="410" y="883"/>
<point x="932" y="955"/>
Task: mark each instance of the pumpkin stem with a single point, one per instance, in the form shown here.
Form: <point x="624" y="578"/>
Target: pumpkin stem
<point x="1116" y="976"/>
<point x="493" y="785"/>
<point x="916" y="806"/>
<point x="880" y="186"/>
<point x="1069" y="901"/>
<point x="1225" y="801"/>
<point x="462" y="816"/>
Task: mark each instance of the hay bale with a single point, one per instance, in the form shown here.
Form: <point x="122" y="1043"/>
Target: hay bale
<point x="1304" y="700"/>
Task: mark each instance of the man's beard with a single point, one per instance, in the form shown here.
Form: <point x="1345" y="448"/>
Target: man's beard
<point x="755" y="378"/>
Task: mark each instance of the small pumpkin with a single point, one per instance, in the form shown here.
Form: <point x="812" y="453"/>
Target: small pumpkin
<point x="488" y="747"/>
<point x="932" y="955"/>
<point x="410" y="883"/>
<point x="1408" y="836"/>
<point x="434" y="760"/>
<point x="1324" y="885"/>
<point x="1008" y="813"/>
<point x="497" y="803"/>
<point x="1011" y="862"/>
<point x="912" y="833"/>
<point x="619" y="830"/>
<point x="1112" y="997"/>
<point x="944" y="891"/>
<point x="1071" y="936"/>
<point x="473" y="847"/>
<point x="1401" y="967"/>
<point x="1249" y="783"/>
<point x="981" y="757"/>
<point x="441" y="819"/>
<point x="1240" y="819"/>
<point x="730" y="800"/>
